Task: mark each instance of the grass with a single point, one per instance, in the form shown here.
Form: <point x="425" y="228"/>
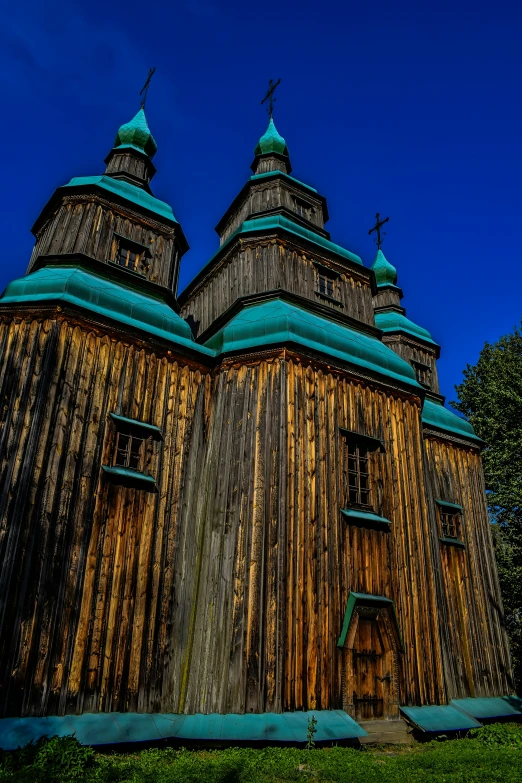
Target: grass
<point x="493" y="753"/>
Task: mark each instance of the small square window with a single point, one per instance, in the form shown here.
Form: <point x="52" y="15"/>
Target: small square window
<point x="450" y="524"/>
<point x="422" y="373"/>
<point x="325" y="285"/>
<point x="130" y="255"/>
<point x="356" y="475"/>
<point x="130" y="451"/>
<point x="303" y="209"/>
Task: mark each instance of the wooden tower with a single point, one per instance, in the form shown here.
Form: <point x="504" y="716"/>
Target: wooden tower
<point x="250" y="499"/>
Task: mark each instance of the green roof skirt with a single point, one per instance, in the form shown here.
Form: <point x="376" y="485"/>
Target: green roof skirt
<point x="385" y="273"/>
<point x="113" y="728"/>
<point x="439" y="718"/>
<point x="276" y="322"/>
<point x="96" y="293"/>
<point x="271" y="141"/>
<point x="128" y="192"/>
<point x="285" y="176"/>
<point x="136" y="134"/>
<point x="392" y="321"/>
<point x="434" y="414"/>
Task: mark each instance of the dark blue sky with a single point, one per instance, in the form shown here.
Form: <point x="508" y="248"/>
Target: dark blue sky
<point x="406" y="108"/>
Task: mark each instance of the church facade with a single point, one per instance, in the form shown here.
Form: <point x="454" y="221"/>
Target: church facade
<point x="248" y="498"/>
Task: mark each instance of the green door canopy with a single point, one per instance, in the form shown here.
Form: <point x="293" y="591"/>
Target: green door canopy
<point x="95" y="293"/>
<point x="365" y="599"/>
<point x="113" y="728"/>
<point x="489" y="708"/>
<point x="434" y="414"/>
<point x="276" y="322"/>
<point x="440" y="718"/>
<point x="390" y="321"/>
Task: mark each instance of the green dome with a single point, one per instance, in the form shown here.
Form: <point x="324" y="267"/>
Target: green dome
<point x="385" y="273"/>
<point x="271" y="141"/>
<point x="136" y="134"/>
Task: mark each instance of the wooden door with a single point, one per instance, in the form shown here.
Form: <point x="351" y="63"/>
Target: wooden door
<point x="370" y="689"/>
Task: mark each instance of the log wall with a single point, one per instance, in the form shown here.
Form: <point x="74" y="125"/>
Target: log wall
<point x="265" y="265"/>
<point x="476" y="652"/>
<point x="84" y="224"/>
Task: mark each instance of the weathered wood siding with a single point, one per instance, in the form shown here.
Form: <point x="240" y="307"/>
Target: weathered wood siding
<point x="84" y="224"/>
<point x="410" y="350"/>
<point x="87" y="585"/>
<point x="270" y="195"/>
<point x="267" y="264"/>
<point x="476" y="653"/>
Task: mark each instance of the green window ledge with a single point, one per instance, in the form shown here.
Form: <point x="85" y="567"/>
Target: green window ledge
<point x="365" y="519"/>
<point x="125" y="477"/>
<point x="140" y="427"/>
<point x="450" y="506"/>
<point x="452" y="542"/>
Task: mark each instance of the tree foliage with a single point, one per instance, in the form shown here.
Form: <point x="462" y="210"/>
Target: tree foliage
<point x="490" y="396"/>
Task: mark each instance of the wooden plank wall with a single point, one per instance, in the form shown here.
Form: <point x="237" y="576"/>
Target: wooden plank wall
<point x="409" y="350"/>
<point x="87" y="225"/>
<point x="270" y="195"/>
<point x="226" y="590"/>
<point x="265" y="265"/>
<point x="86" y="585"/>
<point x="476" y="653"/>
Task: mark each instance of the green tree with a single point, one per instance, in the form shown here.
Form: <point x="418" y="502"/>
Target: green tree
<point x="490" y="396"/>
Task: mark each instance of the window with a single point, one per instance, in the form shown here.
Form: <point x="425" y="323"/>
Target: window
<point x="450" y="521"/>
<point x="130" y="254"/>
<point x="357" y="487"/>
<point x="326" y="285"/>
<point x="303" y="209"/>
<point x="132" y="454"/>
<point x="130" y="451"/>
<point x="422" y="373"/>
<point x="450" y="524"/>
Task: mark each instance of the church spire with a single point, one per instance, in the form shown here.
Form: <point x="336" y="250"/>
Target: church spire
<point x="385" y="273"/>
<point x="131" y="157"/>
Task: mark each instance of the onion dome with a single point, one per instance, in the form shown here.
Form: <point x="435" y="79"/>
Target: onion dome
<point x="136" y="134"/>
<point x="271" y="142"/>
<point x="385" y="273"/>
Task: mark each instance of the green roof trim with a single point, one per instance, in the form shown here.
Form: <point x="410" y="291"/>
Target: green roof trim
<point x="279" y="221"/>
<point x="439" y="718"/>
<point x="127" y="191"/>
<point x="385" y="273"/>
<point x="113" y="728"/>
<point x="276" y="322"/>
<point x="392" y="321"/>
<point x="271" y="141"/>
<point x="489" y="707"/>
<point x="355" y="599"/>
<point x="285" y="176"/>
<point x="452" y="542"/>
<point x="434" y="414"/>
<point x="149" y="429"/>
<point x="136" y="134"/>
<point x="98" y="294"/>
<point x="445" y="504"/>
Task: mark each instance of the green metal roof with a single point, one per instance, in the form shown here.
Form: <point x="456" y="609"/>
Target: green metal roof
<point x="488" y="707"/>
<point x="392" y="321"/>
<point x="277" y="322"/>
<point x="440" y="717"/>
<point x="271" y="141"/>
<point x="112" y="728"/>
<point x="434" y="414"/>
<point x="96" y="293"/>
<point x="136" y="134"/>
<point x="385" y="273"/>
<point x="285" y="176"/>
<point x="129" y="192"/>
<point x="355" y="599"/>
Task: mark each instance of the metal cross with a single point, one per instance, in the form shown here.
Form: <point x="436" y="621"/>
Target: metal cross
<point x="270" y="96"/>
<point x="377" y="228"/>
<point x="145" y="87"/>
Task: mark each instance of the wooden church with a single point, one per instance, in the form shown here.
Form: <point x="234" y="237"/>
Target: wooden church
<point x="226" y="510"/>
